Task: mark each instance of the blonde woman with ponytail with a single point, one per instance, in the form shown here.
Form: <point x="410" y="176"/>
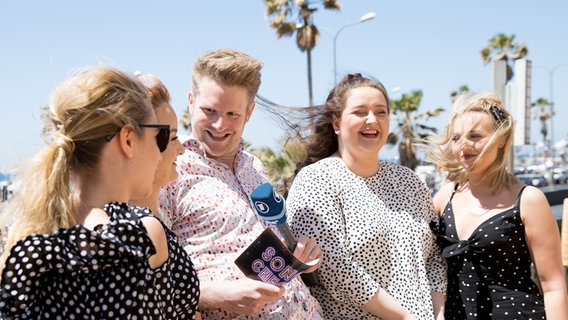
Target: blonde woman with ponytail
<point x="73" y="247"/>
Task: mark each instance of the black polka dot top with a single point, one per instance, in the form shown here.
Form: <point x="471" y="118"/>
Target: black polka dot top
<point x="489" y="274"/>
<point x="78" y="273"/>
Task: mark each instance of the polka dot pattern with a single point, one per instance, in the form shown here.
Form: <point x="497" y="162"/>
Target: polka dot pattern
<point x="374" y="233"/>
<point x="489" y="274"/>
<point x="176" y="280"/>
<point x="78" y="273"/>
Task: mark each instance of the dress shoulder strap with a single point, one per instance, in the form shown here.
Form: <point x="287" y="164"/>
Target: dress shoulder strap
<point x="518" y="201"/>
<point x="454" y="192"/>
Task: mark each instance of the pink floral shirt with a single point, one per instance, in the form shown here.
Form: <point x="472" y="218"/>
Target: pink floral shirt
<point x="210" y="211"/>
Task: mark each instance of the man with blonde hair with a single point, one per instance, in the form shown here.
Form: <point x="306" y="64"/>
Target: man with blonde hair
<point x="209" y="207"/>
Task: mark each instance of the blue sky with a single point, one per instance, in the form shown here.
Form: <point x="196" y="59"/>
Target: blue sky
<point x="428" y="45"/>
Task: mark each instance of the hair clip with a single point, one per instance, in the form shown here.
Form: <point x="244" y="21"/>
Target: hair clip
<point x="498" y="114"/>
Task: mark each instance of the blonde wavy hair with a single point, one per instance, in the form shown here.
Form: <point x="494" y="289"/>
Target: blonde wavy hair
<point x="229" y="67"/>
<point x="439" y="151"/>
<point x="84" y="110"/>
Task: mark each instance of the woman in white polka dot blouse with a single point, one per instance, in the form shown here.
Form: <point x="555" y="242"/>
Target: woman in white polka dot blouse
<point x="370" y="217"/>
<point x="492" y="226"/>
<point x="74" y="248"/>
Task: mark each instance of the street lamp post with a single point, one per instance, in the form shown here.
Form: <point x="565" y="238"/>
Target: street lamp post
<point x="366" y="17"/>
<point x="552" y="112"/>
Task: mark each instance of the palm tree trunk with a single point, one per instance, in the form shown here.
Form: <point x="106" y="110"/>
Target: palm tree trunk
<point x="310" y="89"/>
<point x="407" y="152"/>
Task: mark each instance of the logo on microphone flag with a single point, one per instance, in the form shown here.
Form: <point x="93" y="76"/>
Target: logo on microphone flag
<point x="261" y="207"/>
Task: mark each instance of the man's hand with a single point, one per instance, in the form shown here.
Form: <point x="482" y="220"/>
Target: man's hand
<point x="243" y="296"/>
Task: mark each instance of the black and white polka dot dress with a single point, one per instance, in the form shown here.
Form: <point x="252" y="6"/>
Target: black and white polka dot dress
<point x="489" y="274"/>
<point x="78" y="273"/>
<point x="176" y="281"/>
<point x="374" y="233"/>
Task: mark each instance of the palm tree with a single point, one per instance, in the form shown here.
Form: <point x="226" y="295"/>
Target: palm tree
<point x="461" y="90"/>
<point x="406" y="112"/>
<point x="295" y="16"/>
<point x="542" y="114"/>
<point x="502" y="47"/>
<point x="45" y="118"/>
<point x="185" y="120"/>
<point x="281" y="168"/>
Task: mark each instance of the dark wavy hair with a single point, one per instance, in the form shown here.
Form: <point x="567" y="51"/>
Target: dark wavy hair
<point x="311" y="127"/>
<point x="321" y="141"/>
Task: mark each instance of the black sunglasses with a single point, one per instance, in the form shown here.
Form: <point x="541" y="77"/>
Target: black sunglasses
<point x="162" y="138"/>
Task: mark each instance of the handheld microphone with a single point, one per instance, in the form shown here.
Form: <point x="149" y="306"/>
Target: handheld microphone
<point x="271" y="207"/>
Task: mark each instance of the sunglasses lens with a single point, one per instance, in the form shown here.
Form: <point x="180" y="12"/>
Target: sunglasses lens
<point x="163" y="138"/>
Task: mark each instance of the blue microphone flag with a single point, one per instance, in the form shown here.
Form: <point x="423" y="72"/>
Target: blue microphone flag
<point x="269" y="204"/>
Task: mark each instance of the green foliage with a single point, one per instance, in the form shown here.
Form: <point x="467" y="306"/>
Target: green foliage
<point x="45" y="118"/>
<point x="281" y="167"/>
<point x="289" y="17"/>
<point x="412" y="127"/>
<point x="503" y="47"/>
<point x="461" y="90"/>
<point x="185" y="120"/>
<point x="543" y="115"/>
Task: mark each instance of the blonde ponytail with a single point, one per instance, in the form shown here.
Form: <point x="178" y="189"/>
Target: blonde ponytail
<point x="43" y="201"/>
<point x="84" y="109"/>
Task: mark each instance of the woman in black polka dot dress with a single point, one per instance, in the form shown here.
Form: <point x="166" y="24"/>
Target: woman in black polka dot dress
<point x="181" y="289"/>
<point x="371" y="218"/>
<point x="74" y="249"/>
<point x="492" y="227"/>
